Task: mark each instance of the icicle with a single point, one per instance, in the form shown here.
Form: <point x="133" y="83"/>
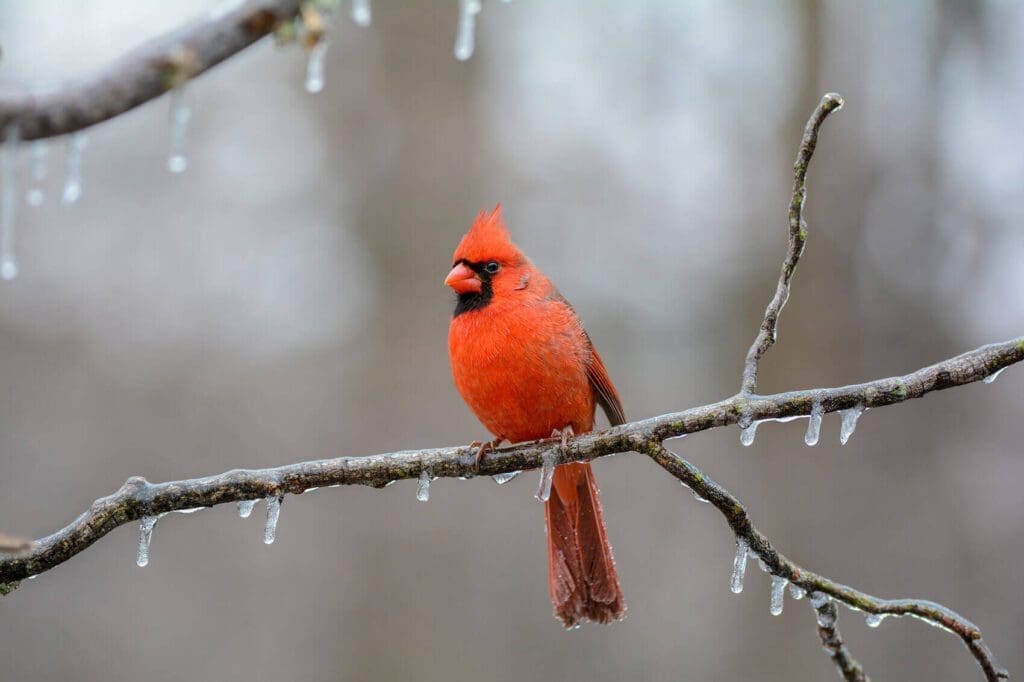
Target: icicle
<point x="465" y="40"/>
<point x="739" y="566"/>
<point x="874" y="619"/>
<point x="819" y="599"/>
<point x="423" y="486"/>
<point x="825" y="618"/>
<point x="993" y="376"/>
<point x="180" y="115"/>
<point x="361" y="13"/>
<point x="814" y="424"/>
<point x="245" y="507"/>
<point x="748" y="433"/>
<point x="273" y="514"/>
<point x="748" y="427"/>
<point x="796" y="592"/>
<point x="35" y="195"/>
<point x="502" y="479"/>
<point x="850" y="418"/>
<point x="8" y="202"/>
<point x="315" y="66"/>
<point x="547" y="472"/>
<point x="146" y="525"/>
<point x="778" y="595"/>
<point x="73" y="168"/>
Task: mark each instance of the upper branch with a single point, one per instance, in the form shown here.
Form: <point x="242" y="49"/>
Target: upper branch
<point x="143" y="74"/>
<point x="797" y="237"/>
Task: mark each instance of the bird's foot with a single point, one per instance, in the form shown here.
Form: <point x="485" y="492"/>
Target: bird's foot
<point x="563" y="434"/>
<point x="482" y="448"/>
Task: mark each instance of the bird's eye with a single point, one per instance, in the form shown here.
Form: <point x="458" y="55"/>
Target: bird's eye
<point x="492" y="267"/>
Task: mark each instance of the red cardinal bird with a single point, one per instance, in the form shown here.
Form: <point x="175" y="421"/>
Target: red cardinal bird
<point x="524" y="364"/>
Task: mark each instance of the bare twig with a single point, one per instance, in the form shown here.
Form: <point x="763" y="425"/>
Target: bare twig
<point x="797" y="237"/>
<point x="832" y="642"/>
<point x="138" y="499"/>
<point x="143" y="74"/>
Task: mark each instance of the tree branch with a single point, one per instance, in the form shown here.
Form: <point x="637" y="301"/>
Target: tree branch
<point x="766" y="336"/>
<point x="832" y="642"/>
<point x="143" y="74"/>
<point x="138" y="499"/>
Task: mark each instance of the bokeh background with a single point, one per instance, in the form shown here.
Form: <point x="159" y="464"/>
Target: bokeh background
<point x="282" y="300"/>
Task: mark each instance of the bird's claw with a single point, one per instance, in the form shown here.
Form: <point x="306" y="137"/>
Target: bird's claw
<point x="482" y="448"/>
<point x="564" y="435"/>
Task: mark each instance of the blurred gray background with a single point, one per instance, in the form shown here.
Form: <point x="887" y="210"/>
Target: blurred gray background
<point x="282" y="300"/>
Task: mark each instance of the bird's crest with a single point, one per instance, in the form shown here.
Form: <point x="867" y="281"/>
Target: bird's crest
<point x="486" y="240"/>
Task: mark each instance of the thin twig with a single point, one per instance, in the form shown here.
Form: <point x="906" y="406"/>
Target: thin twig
<point x="143" y="74"/>
<point x="778" y="565"/>
<point x="797" y="237"/>
<point x="832" y="641"/>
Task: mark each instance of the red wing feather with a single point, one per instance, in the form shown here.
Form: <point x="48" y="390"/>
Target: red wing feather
<point x="604" y="390"/>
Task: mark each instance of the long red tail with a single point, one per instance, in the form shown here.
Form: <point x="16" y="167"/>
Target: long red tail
<point x="581" y="570"/>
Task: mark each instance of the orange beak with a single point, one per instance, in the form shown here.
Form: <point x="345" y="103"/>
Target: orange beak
<point x="463" y="280"/>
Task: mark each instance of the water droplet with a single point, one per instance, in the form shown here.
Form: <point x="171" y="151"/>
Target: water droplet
<point x="874" y="619"/>
<point x="796" y="592"/>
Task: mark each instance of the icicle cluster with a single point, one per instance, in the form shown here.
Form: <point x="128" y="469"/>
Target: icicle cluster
<point x="273" y="514"/>
<point x="547" y="473"/>
<point x="849" y="418"/>
<point x="814" y="424"/>
<point x="739" y="566"/>
<point x="423" y="486"/>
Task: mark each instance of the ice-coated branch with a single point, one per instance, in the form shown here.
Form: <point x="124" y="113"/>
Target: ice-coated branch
<point x="797" y="238"/>
<point x="144" y="73"/>
<point x="834" y="646"/>
<point x="139" y="500"/>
